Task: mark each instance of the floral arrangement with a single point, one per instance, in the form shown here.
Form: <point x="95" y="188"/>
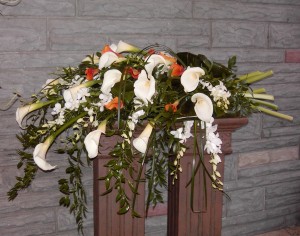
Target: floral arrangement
<point x="121" y="91"/>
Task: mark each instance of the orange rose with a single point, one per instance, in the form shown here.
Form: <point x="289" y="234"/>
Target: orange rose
<point x="114" y="104"/>
<point x="90" y="72"/>
<point x="176" y="70"/>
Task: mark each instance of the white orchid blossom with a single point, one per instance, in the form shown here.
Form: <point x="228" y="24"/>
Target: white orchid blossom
<point x="203" y="106"/>
<point x="141" y="142"/>
<point x="125" y="47"/>
<point x="71" y="93"/>
<point x="39" y="155"/>
<point x="144" y="88"/>
<point x="107" y="59"/>
<point x="153" y="61"/>
<point x="91" y="141"/>
<point x="111" y="77"/>
<point x="190" y="78"/>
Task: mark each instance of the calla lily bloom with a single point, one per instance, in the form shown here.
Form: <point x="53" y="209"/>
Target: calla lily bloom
<point x="107" y="59"/>
<point x="107" y="48"/>
<point x="92" y="58"/>
<point x="111" y="77"/>
<point x="125" y="47"/>
<point x="39" y="155"/>
<point x="113" y="104"/>
<point x="141" y="142"/>
<point x="203" y="106"/>
<point x="190" y="78"/>
<point x="169" y="59"/>
<point x="91" y="141"/>
<point x="90" y="73"/>
<point x="144" y="88"/>
<point x="153" y="61"/>
<point x="23" y="111"/>
<point x="176" y="70"/>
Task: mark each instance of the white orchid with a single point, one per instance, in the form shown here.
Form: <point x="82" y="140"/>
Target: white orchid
<point x="190" y="78"/>
<point x="71" y="93"/>
<point x="107" y="59"/>
<point x="203" y="106"/>
<point x="39" y="155"/>
<point x="144" y="88"/>
<point x="153" y="61"/>
<point x="91" y="141"/>
<point x="141" y="142"/>
<point x="111" y="77"/>
<point x="125" y="47"/>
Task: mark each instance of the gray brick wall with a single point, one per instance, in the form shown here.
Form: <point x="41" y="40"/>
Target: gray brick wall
<point x="262" y="175"/>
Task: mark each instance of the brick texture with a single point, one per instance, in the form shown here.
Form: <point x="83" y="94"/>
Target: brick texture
<point x="261" y="176"/>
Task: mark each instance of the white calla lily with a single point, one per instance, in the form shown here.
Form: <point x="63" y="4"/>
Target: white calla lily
<point x="23" y="111"/>
<point x="91" y="141"/>
<point x="107" y="59"/>
<point x="190" y="78"/>
<point x="125" y="47"/>
<point x="144" y="88"/>
<point x="111" y="77"/>
<point x="203" y="106"/>
<point x="153" y="61"/>
<point x="140" y="143"/>
<point x="39" y="155"/>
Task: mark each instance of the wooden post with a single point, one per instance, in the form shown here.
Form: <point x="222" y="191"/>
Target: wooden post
<point x="181" y="220"/>
<point x="106" y="220"/>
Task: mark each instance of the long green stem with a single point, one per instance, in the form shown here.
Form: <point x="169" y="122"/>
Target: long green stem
<point x="274" y="113"/>
<point x="257" y="78"/>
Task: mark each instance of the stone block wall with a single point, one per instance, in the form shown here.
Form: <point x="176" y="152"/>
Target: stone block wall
<point x="262" y="175"/>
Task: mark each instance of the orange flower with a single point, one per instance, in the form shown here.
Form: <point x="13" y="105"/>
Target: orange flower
<point x="134" y="72"/>
<point x="172" y="106"/>
<point x="151" y="51"/>
<point x="90" y="72"/>
<point x="168" y="58"/>
<point x="114" y="104"/>
<point x="106" y="48"/>
<point x="176" y="70"/>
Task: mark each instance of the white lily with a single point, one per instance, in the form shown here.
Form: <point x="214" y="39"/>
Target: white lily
<point x="203" y="106"/>
<point x="153" y="61"/>
<point x="91" y="141"/>
<point x="144" y="88"/>
<point x="23" y="111"/>
<point x="107" y="59"/>
<point x="190" y="78"/>
<point x="71" y="93"/>
<point x="39" y="155"/>
<point x="111" y="77"/>
<point x="141" y="142"/>
<point x="125" y="47"/>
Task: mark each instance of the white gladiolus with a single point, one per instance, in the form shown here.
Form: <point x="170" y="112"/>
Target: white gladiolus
<point x="125" y="47"/>
<point x="141" y="142"/>
<point x="144" y="88"/>
<point x="153" y="61"/>
<point x="91" y="141"/>
<point x="203" y="106"/>
<point x="107" y="59"/>
<point x="190" y="78"/>
<point x="39" y="155"/>
<point x="111" y="77"/>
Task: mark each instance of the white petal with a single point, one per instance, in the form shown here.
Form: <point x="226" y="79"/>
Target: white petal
<point x="144" y="88"/>
<point x="190" y="78"/>
<point x="140" y="144"/>
<point x="39" y="157"/>
<point x="111" y="77"/>
<point x="125" y="47"/>
<point x="91" y="143"/>
<point x="107" y="59"/>
<point x="203" y="106"/>
<point x="153" y="61"/>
